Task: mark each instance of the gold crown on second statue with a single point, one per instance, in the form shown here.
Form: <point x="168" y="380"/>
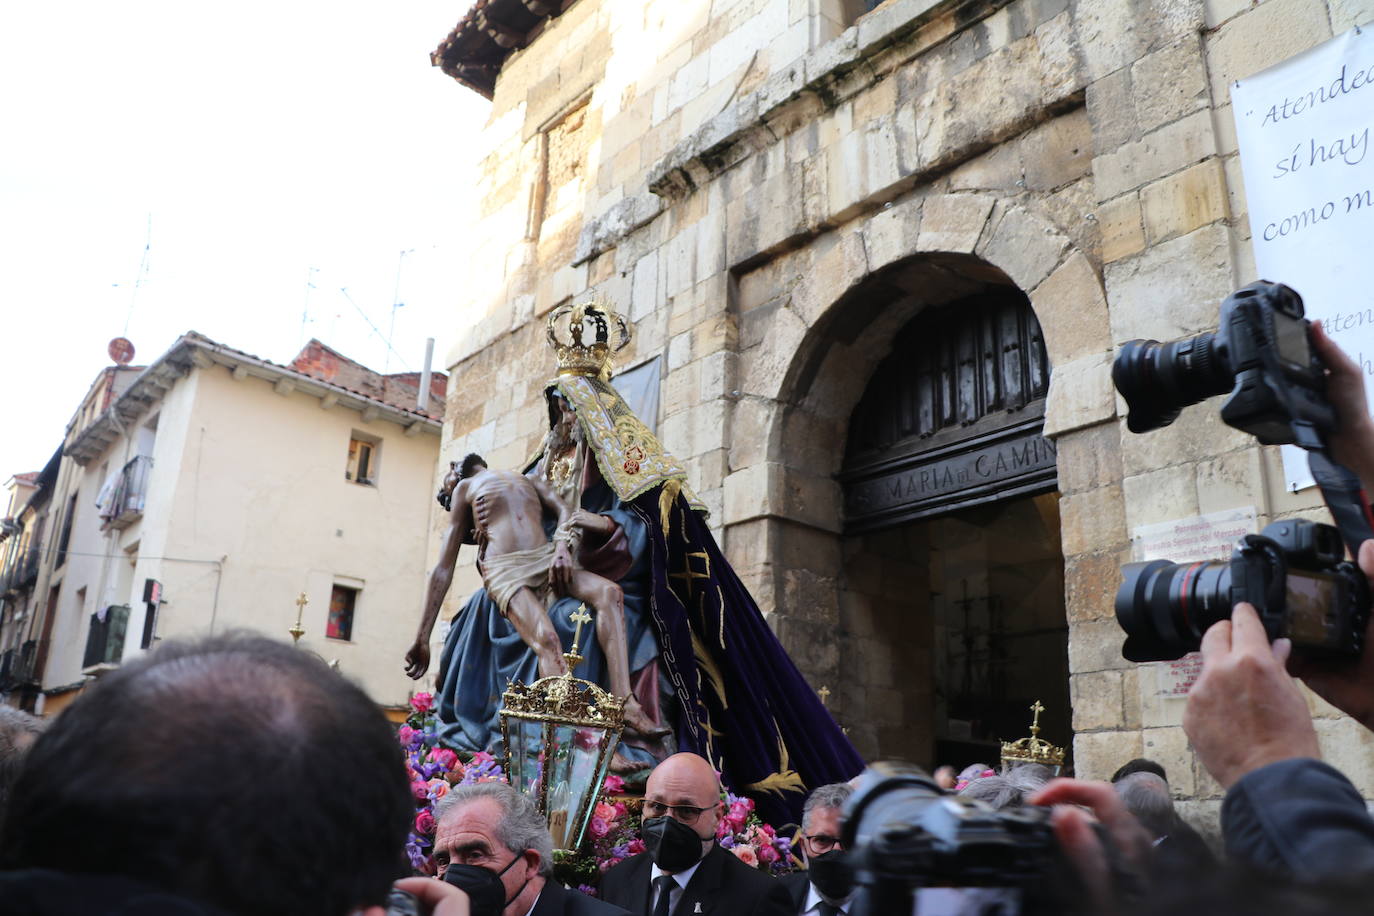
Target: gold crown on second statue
<point x="576" y="355"/>
<point x="1033" y="749"/>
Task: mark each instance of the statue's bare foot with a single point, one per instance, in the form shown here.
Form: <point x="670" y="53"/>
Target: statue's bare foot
<point x="638" y="721"/>
<point x="623" y="766"/>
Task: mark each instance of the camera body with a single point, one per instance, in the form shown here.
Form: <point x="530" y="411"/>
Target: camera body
<point x="1294" y="573"/>
<point x="1259" y="353"/>
<point x="903" y="833"/>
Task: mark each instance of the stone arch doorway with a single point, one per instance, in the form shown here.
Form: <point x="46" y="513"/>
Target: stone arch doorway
<point x="951" y="555"/>
<point x="814" y="323"/>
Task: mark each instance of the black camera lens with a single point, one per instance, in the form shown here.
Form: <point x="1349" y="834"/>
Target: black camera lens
<point x="1158" y="379"/>
<point x="1164" y="608"/>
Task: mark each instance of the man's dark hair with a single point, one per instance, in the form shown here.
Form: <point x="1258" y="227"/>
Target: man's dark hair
<point x="1139" y="765"/>
<point x="470" y="464"/>
<point x="237" y="771"/>
<point x="18" y="730"/>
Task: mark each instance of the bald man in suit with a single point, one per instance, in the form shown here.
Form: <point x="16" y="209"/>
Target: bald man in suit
<point x="685" y="872"/>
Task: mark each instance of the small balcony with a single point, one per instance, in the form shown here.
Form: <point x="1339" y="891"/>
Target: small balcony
<point x="28" y="568"/>
<point x="124" y="505"/>
<point x="105" y="641"/>
<point x="16" y="666"/>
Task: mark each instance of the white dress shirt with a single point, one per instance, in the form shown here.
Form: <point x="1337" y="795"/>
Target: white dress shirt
<point x="679" y="881"/>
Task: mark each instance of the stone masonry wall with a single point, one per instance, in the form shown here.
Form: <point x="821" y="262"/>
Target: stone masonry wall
<point x="753" y="179"/>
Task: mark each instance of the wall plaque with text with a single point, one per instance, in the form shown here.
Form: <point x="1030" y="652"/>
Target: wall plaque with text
<point x="1008" y="463"/>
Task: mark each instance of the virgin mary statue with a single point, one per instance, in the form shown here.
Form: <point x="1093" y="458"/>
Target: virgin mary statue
<point x="704" y="664"/>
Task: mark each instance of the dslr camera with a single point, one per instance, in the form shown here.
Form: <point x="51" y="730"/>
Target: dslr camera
<point x="905" y="837"/>
<point x="1294" y="572"/>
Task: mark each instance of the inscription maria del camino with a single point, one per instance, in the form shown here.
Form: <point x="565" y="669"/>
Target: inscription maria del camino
<point x="940" y="481"/>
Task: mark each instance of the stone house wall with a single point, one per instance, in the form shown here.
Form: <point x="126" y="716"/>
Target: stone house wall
<point x="750" y="175"/>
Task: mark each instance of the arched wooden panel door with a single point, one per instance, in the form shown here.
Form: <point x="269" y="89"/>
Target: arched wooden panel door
<point x="952" y="527"/>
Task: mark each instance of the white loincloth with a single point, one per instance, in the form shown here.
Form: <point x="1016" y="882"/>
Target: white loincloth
<point x="506" y="574"/>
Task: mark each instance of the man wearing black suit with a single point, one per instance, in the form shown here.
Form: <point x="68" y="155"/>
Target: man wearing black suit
<point x="684" y="872"/>
<point x="492" y="842"/>
<point x="826" y="887"/>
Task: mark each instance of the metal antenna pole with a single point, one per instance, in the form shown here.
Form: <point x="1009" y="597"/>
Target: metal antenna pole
<point x="395" y="304"/>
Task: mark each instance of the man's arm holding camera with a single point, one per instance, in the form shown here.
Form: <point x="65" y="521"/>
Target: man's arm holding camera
<point x="1353" y="442"/>
<point x="1284" y="809"/>
<point x="1348" y="686"/>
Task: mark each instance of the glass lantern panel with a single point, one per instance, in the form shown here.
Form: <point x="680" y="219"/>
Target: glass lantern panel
<point x="526" y="753"/>
<point x="573" y="777"/>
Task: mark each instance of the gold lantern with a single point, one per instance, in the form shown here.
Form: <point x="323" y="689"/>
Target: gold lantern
<point x="560" y="733"/>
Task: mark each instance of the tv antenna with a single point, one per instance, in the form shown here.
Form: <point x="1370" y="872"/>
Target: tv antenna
<point x="363" y="314"/>
<point x="142" y="272"/>
<point x="305" y="306"/>
<point x="396" y="303"/>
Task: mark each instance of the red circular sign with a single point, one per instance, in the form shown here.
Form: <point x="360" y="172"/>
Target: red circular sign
<point x="121" y="350"/>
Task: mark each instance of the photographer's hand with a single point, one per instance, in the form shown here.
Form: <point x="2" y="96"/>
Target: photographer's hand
<point x="1348" y="686"/>
<point x="432" y="896"/>
<point x="1245" y="711"/>
<point x="1083" y="846"/>
<point x="1353" y="444"/>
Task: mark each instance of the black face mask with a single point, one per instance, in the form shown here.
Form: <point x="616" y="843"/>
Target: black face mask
<point x="486" y="893"/>
<point x="673" y="846"/>
<point x="832" y="874"/>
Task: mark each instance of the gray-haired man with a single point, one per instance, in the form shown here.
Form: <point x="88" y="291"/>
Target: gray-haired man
<point x="826" y="887"/>
<point x="493" y="843"/>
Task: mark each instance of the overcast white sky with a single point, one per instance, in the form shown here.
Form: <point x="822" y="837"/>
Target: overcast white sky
<point x="261" y="140"/>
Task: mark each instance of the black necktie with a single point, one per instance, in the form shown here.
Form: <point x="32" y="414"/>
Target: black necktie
<point x="665" y="885"/>
<point x="827" y="909"/>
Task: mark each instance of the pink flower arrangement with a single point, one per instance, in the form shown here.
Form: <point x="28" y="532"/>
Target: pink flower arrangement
<point x="432" y="770"/>
<point x="746" y="854"/>
<point x="615" y="833"/>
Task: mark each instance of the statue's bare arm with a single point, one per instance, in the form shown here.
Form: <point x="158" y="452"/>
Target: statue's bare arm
<point x="440" y="578"/>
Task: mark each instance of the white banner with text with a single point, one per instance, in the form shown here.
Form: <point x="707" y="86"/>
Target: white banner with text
<point x="1304" y="132"/>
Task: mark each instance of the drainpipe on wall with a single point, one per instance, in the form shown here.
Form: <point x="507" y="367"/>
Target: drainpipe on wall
<point x="422" y="399"/>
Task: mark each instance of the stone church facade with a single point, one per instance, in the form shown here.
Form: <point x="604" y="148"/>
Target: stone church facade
<point x="883" y="258"/>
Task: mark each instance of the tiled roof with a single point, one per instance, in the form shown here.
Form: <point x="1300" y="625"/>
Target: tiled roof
<point x="477" y="48"/>
<point x="196" y="351"/>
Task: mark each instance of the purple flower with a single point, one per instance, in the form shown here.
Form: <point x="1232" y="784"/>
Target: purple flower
<point x="416" y="855"/>
<point x="728" y="841"/>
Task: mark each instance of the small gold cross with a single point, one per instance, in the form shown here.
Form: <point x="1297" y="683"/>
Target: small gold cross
<point x="298" y="631"/>
<point x="579" y="617"/>
<point x="1035" y="724"/>
<point x="824" y="694"/>
<point x="688" y="574"/>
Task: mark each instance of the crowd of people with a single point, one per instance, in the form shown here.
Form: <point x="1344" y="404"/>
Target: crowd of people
<point x="238" y="776"/>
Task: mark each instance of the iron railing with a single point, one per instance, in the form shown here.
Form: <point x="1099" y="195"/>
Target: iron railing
<point x="17" y="666"/>
<point x="28" y="570"/>
<point x="126" y="503"/>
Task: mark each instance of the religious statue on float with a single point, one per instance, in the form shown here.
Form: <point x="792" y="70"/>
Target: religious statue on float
<point x="603" y="516"/>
